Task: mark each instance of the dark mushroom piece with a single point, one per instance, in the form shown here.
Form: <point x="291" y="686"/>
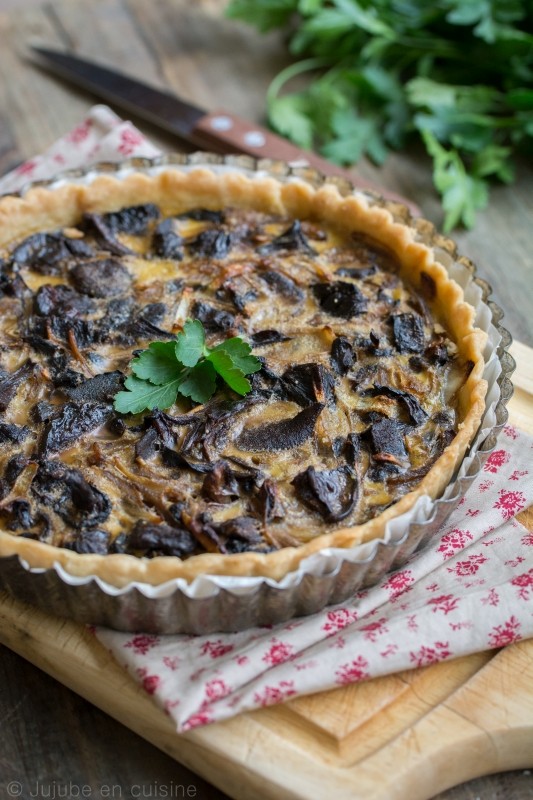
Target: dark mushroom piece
<point x="20" y="517"/>
<point x="342" y="355"/>
<point x="106" y="277"/>
<point x="283" y="285"/>
<point x="437" y="352"/>
<point x="117" y="314"/>
<point x="386" y="438"/>
<point x="340" y="299"/>
<point x="134" y="219"/>
<point x="14" y="434"/>
<point x="162" y="539"/>
<point x="63" y="300"/>
<point x="408" y="333"/>
<point x="283" y="435"/>
<point x="213" y="319"/>
<point x="177" y="460"/>
<point x="211" y="243"/>
<point x="153" y="313"/>
<point x="166" y="242"/>
<point x="14" y="286"/>
<point x="332" y="492"/>
<point x="47" y="252"/>
<point x="262" y="338"/>
<point x="148" y="445"/>
<point x="80" y="332"/>
<point x="14" y="467"/>
<point x="95" y="541"/>
<point x="238" y="291"/>
<point x="73" y="421"/>
<point x="66" y="492"/>
<point x="95" y="226"/>
<point x="10" y="384"/>
<point x="416" y="413"/>
<point x="220" y="484"/>
<point x="309" y="383"/>
<point x="99" y="389"/>
<point x="242" y="534"/>
<point x="291" y="239"/>
<point x="267" y="501"/>
<point x="139" y="328"/>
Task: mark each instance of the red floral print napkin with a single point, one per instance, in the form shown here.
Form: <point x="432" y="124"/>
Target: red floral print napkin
<point x="470" y="590"/>
<point x="102" y="136"/>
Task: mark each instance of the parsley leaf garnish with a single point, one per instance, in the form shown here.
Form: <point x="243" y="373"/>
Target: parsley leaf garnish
<point x="200" y="383"/>
<point x="374" y="74"/>
<point x="190" y="344"/>
<point x="188" y="367"/>
<point x="158" y="364"/>
<point x="144" y="396"/>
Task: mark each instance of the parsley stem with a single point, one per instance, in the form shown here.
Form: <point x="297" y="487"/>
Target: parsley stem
<point x="290" y="72"/>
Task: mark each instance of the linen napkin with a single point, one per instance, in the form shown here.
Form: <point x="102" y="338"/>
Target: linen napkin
<point x="470" y="590"/>
<point x="101" y="136"/>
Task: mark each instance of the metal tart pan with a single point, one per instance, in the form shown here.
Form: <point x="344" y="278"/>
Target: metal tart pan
<point x="217" y="604"/>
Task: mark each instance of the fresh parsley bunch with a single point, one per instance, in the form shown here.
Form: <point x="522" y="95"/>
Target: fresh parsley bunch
<point x="459" y="73"/>
<point x="188" y="367"/>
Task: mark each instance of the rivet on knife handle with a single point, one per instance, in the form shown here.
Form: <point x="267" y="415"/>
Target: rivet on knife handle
<point x="222" y="129"/>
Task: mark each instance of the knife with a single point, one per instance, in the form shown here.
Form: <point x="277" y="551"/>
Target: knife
<point x="219" y="131"/>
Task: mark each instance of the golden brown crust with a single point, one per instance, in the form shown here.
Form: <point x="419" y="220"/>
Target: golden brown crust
<point x="175" y="191"/>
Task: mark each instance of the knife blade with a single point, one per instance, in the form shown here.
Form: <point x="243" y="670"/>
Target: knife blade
<point x="219" y="130"/>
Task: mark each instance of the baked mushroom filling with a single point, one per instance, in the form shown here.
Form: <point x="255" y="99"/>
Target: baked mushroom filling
<point x="354" y="402"/>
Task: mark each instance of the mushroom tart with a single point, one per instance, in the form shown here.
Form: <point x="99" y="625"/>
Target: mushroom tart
<point x="367" y="392"/>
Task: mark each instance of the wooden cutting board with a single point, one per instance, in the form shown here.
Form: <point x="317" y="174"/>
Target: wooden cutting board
<point x="401" y="737"/>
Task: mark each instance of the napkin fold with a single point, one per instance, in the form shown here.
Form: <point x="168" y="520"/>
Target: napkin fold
<point x="470" y="590"/>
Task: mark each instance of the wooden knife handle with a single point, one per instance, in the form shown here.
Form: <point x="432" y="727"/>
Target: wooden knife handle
<point x="222" y="131"/>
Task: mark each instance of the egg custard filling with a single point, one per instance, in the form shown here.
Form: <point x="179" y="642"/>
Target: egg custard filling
<point x="368" y="395"/>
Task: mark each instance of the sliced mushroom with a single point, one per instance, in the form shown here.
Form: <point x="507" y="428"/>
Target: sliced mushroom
<point x="220" y="484"/>
<point x="66" y="491"/>
<point x="99" y="389"/>
<point x="162" y="539"/>
<point x="342" y="355"/>
<point x="416" y="413"/>
<point x="331" y="492"/>
<point x="61" y="299"/>
<point x="387" y="438"/>
<point x="10" y="384"/>
<point x="166" y="242"/>
<point x="106" y="277"/>
<point x="73" y="421"/>
<point x="95" y="226"/>
<point x="292" y="239"/>
<point x="211" y="243"/>
<point x="408" y="333"/>
<point x="134" y="219"/>
<point x="340" y="299"/>
<point x="283" y="435"/>
<point x="309" y="383"/>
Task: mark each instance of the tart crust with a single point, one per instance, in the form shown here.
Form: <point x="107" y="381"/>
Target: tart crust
<point x="177" y="191"/>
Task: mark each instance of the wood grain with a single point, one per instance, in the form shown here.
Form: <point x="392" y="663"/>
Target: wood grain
<point x="477" y="716"/>
<point x="211" y="61"/>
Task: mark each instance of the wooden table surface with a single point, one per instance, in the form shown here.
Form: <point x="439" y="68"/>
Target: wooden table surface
<point x="49" y="734"/>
